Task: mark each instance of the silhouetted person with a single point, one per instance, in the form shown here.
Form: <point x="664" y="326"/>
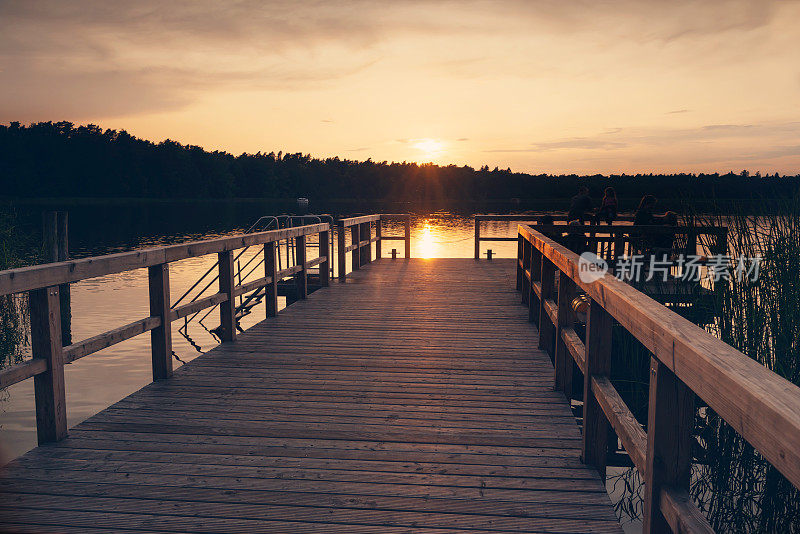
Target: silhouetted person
<point x="644" y="213"/>
<point x="608" y="207"/>
<point x="664" y="243"/>
<point x="580" y="206"/>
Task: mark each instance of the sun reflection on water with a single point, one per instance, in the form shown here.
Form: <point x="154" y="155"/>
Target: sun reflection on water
<point x="425" y="241"/>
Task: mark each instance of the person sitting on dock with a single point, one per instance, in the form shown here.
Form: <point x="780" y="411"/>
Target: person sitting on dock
<point x="664" y="244"/>
<point x="580" y="206"/>
<point x="644" y="213"/>
<point x="608" y="207"/>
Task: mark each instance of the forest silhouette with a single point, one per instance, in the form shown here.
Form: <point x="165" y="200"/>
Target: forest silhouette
<point x="61" y="160"/>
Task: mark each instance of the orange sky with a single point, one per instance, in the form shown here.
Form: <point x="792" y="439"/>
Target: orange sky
<point x="537" y="85"/>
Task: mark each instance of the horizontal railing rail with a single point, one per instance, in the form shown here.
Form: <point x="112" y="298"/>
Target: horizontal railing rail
<point x="685" y="361"/>
<point x="361" y="238"/>
<point x="520" y="218"/>
<point x="41" y="282"/>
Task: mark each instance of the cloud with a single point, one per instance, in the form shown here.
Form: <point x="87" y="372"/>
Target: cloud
<point x="713" y="143"/>
<point x="504" y="71"/>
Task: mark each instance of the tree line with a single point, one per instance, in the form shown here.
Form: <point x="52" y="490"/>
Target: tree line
<point x="60" y="159"/>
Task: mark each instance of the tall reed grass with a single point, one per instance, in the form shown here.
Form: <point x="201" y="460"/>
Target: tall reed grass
<point x="732" y="484"/>
<point x="14" y="320"/>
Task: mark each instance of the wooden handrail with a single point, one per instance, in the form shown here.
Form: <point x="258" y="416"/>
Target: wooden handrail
<point x="352" y="221"/>
<point x="594" y="230"/>
<point x="361" y="239"/>
<point x="43" y="281"/>
<point x="686" y="360"/>
<point x="50" y="274"/>
<point x="535" y="218"/>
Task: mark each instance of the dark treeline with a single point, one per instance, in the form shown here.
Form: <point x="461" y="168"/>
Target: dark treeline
<point x="58" y="160"/>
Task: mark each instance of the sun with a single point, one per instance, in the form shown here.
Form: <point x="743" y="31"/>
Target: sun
<point x="429" y="148"/>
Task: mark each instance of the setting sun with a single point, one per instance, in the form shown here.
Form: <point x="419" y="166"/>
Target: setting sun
<point x="430" y="149"/>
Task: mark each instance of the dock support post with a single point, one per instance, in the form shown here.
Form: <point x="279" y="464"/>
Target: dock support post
<point x="355" y="238"/>
<point x="598" y="363"/>
<point x="300" y="259"/>
<point x="325" y="266"/>
<point x="160" y="337"/>
<point x="379" y="236"/>
<point x="340" y="253"/>
<point x="227" y="309"/>
<point x="51" y="410"/>
<point x="271" y="272"/>
<point x="670" y="421"/>
<point x="477" y="238"/>
<point x="408" y="236"/>
<point x="563" y="359"/>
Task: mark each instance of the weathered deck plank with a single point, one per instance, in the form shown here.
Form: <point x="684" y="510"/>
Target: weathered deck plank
<point x="410" y="399"/>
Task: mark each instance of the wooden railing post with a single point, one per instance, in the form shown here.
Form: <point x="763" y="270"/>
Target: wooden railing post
<point x="379" y="236"/>
<point x="408" y="236"/>
<point x="160" y="337"/>
<point x="477" y="238"/>
<point x="341" y="255"/>
<point x="55" y="241"/>
<point x="271" y="272"/>
<point x="670" y="422"/>
<point x="546" y="327"/>
<point x="325" y="266"/>
<point x="599" y="326"/>
<point x="563" y="361"/>
<point x="227" y="309"/>
<point x="51" y="410"/>
<point x="521" y="264"/>
<point x="302" y="276"/>
<point x="355" y="238"/>
<point x="534" y="302"/>
<point x="366" y="234"/>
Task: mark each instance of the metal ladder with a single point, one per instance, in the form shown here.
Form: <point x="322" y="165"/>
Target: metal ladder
<point x="244" y="271"/>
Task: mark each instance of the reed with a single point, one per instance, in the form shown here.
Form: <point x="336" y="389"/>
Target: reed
<point x="737" y="489"/>
<point x="14" y="320"/>
<point x="732" y="484"/>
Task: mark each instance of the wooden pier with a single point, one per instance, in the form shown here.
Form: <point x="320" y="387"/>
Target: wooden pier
<point x="384" y="404"/>
<point x="410" y="395"/>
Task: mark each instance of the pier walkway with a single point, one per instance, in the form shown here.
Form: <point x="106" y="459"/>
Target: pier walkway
<point x="411" y="398"/>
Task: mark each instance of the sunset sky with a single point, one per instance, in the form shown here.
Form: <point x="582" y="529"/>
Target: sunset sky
<point x="536" y="85"/>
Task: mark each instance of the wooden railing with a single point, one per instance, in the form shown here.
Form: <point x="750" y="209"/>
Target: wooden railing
<point x="685" y="361"/>
<point x="537" y="219"/>
<point x="42" y="284"/>
<point x="361" y="239"/>
<point x="610" y="242"/>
